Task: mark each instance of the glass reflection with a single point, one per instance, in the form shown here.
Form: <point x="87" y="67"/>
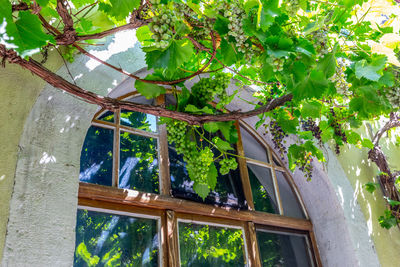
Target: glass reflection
<point x="139" y="163"/>
<point x="228" y="191"/>
<point x="96" y="156"/>
<point x="139" y="120"/>
<point x="263" y="189"/>
<point x="114" y="240"/>
<point x="206" y="246"/>
<point x="291" y="206"/>
<point x="252" y="148"/>
<point x="107" y="116"/>
<point x="283" y="250"/>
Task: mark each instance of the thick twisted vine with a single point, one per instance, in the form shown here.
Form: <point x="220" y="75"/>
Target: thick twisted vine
<point x="387" y="177"/>
<point x="113" y="104"/>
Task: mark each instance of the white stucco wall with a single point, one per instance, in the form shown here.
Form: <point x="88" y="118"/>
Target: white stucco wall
<point x="43" y="207"/>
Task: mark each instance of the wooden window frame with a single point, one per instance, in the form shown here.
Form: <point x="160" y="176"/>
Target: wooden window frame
<point x="170" y="210"/>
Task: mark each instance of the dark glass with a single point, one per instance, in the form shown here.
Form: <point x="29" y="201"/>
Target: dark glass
<point x="97" y="156"/>
<point x="291" y="205"/>
<point x="107" y="116"/>
<point x="138" y="120"/>
<point x="210" y="246"/>
<point x="252" y="148"/>
<point x="262" y="188"/>
<point x="228" y="191"/>
<point x="114" y="240"/>
<point x="283" y="250"/>
<point x="276" y="161"/>
<point x="138" y="168"/>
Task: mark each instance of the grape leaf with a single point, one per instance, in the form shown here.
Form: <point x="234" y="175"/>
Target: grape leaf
<point x="201" y="189"/>
<point x="221" y="144"/>
<point x="212" y="176"/>
<point x="28" y="34"/>
<point x="371" y="70"/>
<point x="196" y="110"/>
<point x="119" y="9"/>
<point x="173" y="57"/>
<point x="367" y="143"/>
<point x="371" y="187"/>
<point x="313" y="86"/>
<point x="149" y="90"/>
<point x="311" y="109"/>
<point x="392" y="202"/>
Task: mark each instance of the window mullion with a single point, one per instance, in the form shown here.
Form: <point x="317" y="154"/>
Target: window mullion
<point x="116" y="148"/>
<point x="165" y="181"/>
<point x="244" y="174"/>
<point x="172" y="239"/>
<point x="276" y="187"/>
<point x="252" y="245"/>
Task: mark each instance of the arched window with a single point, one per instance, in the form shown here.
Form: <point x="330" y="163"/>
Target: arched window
<point x="137" y="206"/>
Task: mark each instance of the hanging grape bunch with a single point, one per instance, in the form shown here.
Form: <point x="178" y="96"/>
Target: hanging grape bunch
<point x="311" y="125"/>
<point x="207" y="88"/>
<point x="277" y="63"/>
<point x="162" y="24"/>
<point x="292" y="7"/>
<point x="319" y="39"/>
<point x="236" y="15"/>
<point x="393" y="95"/>
<point x="305" y="165"/>
<point x="277" y="137"/>
<point x="227" y="164"/>
<point x="341" y="85"/>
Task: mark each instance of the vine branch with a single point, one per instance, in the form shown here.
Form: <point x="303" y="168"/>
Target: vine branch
<point x="113" y="104"/>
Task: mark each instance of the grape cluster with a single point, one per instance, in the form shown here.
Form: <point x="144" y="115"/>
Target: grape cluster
<point x="207" y="88"/>
<point x="277" y="137"/>
<point x="176" y="134"/>
<point x="277" y="63"/>
<point x="235" y="13"/>
<point x="305" y="165"/>
<point x="320" y="40"/>
<point x="292" y="7"/>
<point x="338" y="131"/>
<point x="227" y="164"/>
<point x="311" y="125"/>
<point x="342" y="86"/>
<point x="198" y="163"/>
<point x="393" y="95"/>
<point x="162" y="24"/>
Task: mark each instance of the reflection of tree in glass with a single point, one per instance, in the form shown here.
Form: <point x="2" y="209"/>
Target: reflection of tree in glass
<point x="96" y="156"/>
<point x="139" y="163"/>
<point x="262" y="201"/>
<point x="114" y="240"/>
<point x="138" y="120"/>
<point x="270" y="249"/>
<point x="203" y="245"/>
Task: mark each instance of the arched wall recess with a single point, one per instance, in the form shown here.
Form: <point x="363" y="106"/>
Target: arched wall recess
<point x="44" y="203"/>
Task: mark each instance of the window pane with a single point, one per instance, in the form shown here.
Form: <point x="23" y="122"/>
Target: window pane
<point x="107" y="116"/>
<point x="228" y="192"/>
<point x="138" y="120"/>
<point x="290" y="203"/>
<point x="252" y="148"/>
<point x="206" y="246"/>
<point x="114" y="240"/>
<point x="96" y="156"/>
<point x="283" y="250"/>
<point x="139" y="163"/>
<point x="262" y="188"/>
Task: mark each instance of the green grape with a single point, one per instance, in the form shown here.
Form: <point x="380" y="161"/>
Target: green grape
<point x="227" y="164"/>
<point x="206" y="89"/>
<point x="162" y="24"/>
<point x="292" y="7"/>
<point x="393" y="95"/>
<point x="320" y="41"/>
<point x="342" y="86"/>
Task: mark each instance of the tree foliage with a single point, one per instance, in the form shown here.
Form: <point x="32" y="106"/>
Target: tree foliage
<point x="315" y="65"/>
